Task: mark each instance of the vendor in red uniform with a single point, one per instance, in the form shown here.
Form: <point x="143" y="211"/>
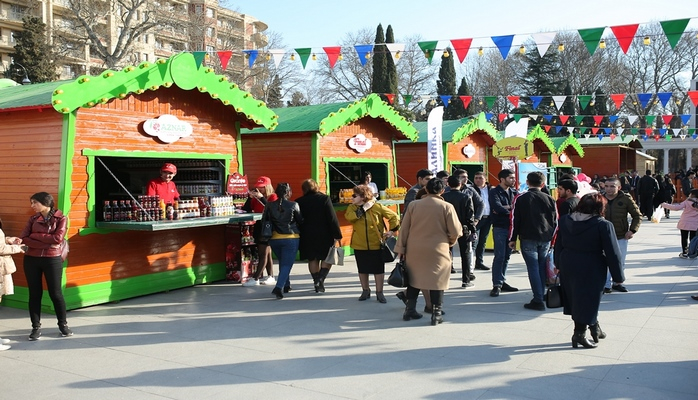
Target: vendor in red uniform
<point x="163" y="186"/>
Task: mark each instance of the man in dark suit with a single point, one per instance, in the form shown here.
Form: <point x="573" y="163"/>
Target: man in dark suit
<point x="463" y="203"/>
<point x="647" y="188"/>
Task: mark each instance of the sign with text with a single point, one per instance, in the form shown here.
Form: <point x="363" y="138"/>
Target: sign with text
<point x="237" y="184"/>
<point x="513" y="147"/>
<point x="359" y="143"/>
<point x="167" y="128"/>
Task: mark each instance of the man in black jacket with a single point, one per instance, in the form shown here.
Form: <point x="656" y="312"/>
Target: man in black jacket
<point x="534" y="220"/>
<point x="567" y="199"/>
<point x="647" y="189"/>
<point x="501" y="198"/>
<point x="463" y="203"/>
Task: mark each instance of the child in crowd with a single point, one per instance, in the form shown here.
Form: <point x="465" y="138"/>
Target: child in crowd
<point x="688" y="223"/>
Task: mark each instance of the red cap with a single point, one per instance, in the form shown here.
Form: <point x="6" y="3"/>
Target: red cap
<point x="169" y="168"/>
<point x="262" y="181"/>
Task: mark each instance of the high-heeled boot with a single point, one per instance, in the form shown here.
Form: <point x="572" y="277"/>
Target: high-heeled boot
<point x="321" y="280"/>
<point x="596" y="332"/>
<point x="411" y="310"/>
<point x="316" y="281"/>
<point x="436" y="315"/>
<point x="579" y="337"/>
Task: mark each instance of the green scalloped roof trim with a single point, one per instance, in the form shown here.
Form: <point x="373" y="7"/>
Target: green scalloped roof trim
<point x="373" y="106"/>
<point x="479" y="123"/>
<point x="180" y="70"/>
<point x="570" y="141"/>
<point x="539" y="133"/>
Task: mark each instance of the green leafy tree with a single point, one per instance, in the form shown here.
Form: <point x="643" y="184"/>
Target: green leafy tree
<point x="297" y="100"/>
<point x="540" y="77"/>
<point x="379" y="80"/>
<point x="389" y="63"/>
<point x="33" y="52"/>
<point x="274" y="96"/>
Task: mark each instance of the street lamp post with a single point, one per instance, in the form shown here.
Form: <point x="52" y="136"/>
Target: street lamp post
<point x="26" y="80"/>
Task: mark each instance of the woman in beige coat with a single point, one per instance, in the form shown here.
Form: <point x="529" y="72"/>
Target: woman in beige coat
<point x="429" y="228"/>
<point x="7" y="268"/>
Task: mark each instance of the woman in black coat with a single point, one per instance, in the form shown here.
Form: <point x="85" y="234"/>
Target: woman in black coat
<point x="319" y="232"/>
<point x="585" y="248"/>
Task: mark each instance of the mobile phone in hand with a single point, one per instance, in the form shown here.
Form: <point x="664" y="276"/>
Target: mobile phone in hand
<point x="24" y="247"/>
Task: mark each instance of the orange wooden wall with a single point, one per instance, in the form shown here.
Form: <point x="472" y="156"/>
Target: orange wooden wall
<point x="410" y="158"/>
<point x="607" y="160"/>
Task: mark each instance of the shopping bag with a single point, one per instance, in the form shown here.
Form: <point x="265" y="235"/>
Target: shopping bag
<point x="335" y="256"/>
<point x="553" y="297"/>
<point x="657" y="216"/>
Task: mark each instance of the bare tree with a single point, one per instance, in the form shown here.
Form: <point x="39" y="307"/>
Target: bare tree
<point x="415" y="74"/>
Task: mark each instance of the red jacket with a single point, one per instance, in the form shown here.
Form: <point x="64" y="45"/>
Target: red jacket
<point x="44" y="237"/>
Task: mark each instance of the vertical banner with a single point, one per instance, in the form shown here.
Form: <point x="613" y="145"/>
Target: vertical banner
<point x="435" y="147"/>
<point x="526" y="168"/>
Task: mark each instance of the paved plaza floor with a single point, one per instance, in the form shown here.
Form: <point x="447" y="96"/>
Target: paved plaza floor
<point x="223" y="341"/>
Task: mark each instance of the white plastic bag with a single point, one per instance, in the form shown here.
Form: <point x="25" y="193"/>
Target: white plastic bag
<point x="657" y="216"/>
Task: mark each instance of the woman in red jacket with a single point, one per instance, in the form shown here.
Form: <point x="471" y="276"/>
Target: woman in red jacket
<point x="44" y="237"/>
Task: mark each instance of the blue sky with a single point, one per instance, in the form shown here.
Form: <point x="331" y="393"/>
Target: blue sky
<point x="305" y="23"/>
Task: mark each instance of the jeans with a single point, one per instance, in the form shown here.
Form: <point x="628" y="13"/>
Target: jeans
<point x="502" y="252"/>
<point x="623" y="246"/>
<point x="535" y="254"/>
<point x="285" y="250"/>
<point x="483" y="232"/>
<point x="52" y="269"/>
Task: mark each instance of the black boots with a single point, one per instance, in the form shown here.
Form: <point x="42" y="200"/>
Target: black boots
<point x="596" y="332"/>
<point x="321" y="279"/>
<point x="411" y="310"/>
<point x="436" y="315"/>
<point x="316" y="281"/>
<point x="579" y="337"/>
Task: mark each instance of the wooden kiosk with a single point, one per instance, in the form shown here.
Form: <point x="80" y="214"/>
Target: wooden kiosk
<point x="331" y="143"/>
<point x="89" y="140"/>
<point x="607" y="155"/>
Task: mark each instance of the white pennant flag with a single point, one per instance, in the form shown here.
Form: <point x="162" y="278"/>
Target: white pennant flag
<point x="543" y="41"/>
<point x="277" y="55"/>
<point x="676" y="131"/>
<point x="435" y="148"/>
<point x="394" y="49"/>
<point x="682" y="137"/>
<point x="534" y="117"/>
<point x="559" y="100"/>
<point x="586" y="136"/>
<point x="620" y="130"/>
<point x="632" y="119"/>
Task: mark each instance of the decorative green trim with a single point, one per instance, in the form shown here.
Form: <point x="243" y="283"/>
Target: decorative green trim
<point x="180" y="70"/>
<point x="479" y="123"/>
<point x="315" y="159"/>
<point x="238" y="146"/>
<point x="574" y="143"/>
<point x="372" y="106"/>
<point x="539" y="133"/>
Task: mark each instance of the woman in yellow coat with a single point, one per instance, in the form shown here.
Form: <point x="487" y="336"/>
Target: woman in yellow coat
<point x="429" y="228"/>
<point x="367" y="219"/>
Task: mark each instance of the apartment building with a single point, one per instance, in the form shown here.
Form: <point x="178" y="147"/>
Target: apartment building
<point x="204" y="25"/>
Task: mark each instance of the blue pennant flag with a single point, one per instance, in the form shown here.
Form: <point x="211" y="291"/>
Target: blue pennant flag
<point x="503" y="43"/>
<point x="445" y="99"/>
<point x="557" y="129"/>
<point x="488" y="116"/>
<point x="536" y="100"/>
<point x="664" y="97"/>
<point x="644" y="98"/>
<point x="547" y="117"/>
<point x="251" y="56"/>
<point x="363" y="50"/>
<point x="685" y="118"/>
<point x="612" y="118"/>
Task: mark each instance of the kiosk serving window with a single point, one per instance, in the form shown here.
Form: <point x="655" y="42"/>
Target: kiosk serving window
<point x="346" y="175"/>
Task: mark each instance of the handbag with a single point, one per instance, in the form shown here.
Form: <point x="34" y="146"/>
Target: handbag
<point x="398" y="276"/>
<point x="267" y="229"/>
<point x="335" y="256"/>
<point x="65" y="248"/>
<point x="553" y="296"/>
<point x="388" y="249"/>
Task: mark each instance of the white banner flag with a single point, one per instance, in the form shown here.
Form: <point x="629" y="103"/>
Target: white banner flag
<point x="435" y="147"/>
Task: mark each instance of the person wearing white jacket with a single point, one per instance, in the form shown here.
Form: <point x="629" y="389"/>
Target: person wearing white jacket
<point x="7" y="268"/>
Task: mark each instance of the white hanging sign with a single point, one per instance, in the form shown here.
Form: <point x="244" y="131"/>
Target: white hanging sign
<point x="359" y="143"/>
<point x="167" y="128"/>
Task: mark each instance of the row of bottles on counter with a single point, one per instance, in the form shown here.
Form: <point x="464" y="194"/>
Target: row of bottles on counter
<point x="149" y="163"/>
<point x="197" y="175"/>
<point x="152" y="208"/>
<point x="198" y="189"/>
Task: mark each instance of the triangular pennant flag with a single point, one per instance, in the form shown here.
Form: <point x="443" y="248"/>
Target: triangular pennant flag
<point x="632" y="119"/>
<point x="503" y="116"/>
<point x="407" y="98"/>
<point x="543" y="41"/>
<point x="612" y="119"/>
<point x="428" y="49"/>
<point x="693" y="95"/>
<point x="591" y="38"/>
<point x="662" y="131"/>
<point x="674" y="29"/>
<point x="304" y="54"/>
<point x="607" y="130"/>
<point x="584" y="100"/>
<point x="461" y="47"/>
<point x="199" y="57"/>
<point x="635" y="131"/>
<point x="625" y="35"/>
<point x="682" y="137"/>
<point x="514" y="100"/>
<point x="533" y="117"/>
<point x="620" y="130"/>
<point x="564" y="118"/>
<point x="618" y="99"/>
<point x="644" y="98"/>
<point x="676" y="131"/>
<point x="503" y="43"/>
<point x="578" y="119"/>
<point x="251" y="56"/>
<point x="650" y="119"/>
<point x="363" y="50"/>
<point x="598" y="119"/>
<point x="517" y="117"/>
<point x="648" y="130"/>
<point x="667" y="119"/>
<point x="594" y="130"/>
<point x="547" y="128"/>
<point x="390" y="97"/>
<point x="668" y="138"/>
<point x="685" y="118"/>
<point x="536" y="100"/>
<point x="559" y="101"/>
<point x="488" y="116"/>
<point x="332" y="54"/>
<point x="664" y="97"/>
<point x="547" y="117"/>
<point x="445" y="99"/>
<point x="396" y="50"/>
<point x="277" y="55"/>
<point x="224" y="57"/>
<point x="466" y="100"/>
<point x="586" y="136"/>
<point x="490" y="101"/>
<point x="656" y="138"/>
<point x="612" y="137"/>
<point x="557" y="129"/>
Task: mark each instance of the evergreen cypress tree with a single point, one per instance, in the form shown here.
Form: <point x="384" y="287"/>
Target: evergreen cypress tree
<point x="34" y="53"/>
<point x="446" y="85"/>
<point x="389" y="63"/>
<point x="379" y="81"/>
<point x="274" y="99"/>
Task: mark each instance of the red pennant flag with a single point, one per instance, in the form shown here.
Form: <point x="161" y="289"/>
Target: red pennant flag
<point x="613" y="136"/>
<point x="693" y="95"/>
<point x="514" y="100"/>
<point x="656" y="138"/>
<point x="501" y="117"/>
<point x="564" y="118"/>
<point x="547" y="128"/>
<point x="461" y="47"/>
<point x="598" y="119"/>
<point x="625" y="35"/>
<point x="390" y="97"/>
<point x="667" y="119"/>
<point x="618" y="99"/>
<point x="594" y="130"/>
<point x="332" y="54"/>
<point x="467" y="99"/>
<point x="648" y="130"/>
<point x="224" y="57"/>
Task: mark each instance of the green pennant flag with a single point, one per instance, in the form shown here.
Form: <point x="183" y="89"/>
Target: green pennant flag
<point x="428" y="48"/>
<point x="579" y="119"/>
<point x="691" y="130"/>
<point x="650" y="119"/>
<point x="304" y="54"/>
<point x="591" y="38"/>
<point x="490" y="101"/>
<point x="517" y="117"/>
<point x="634" y="131"/>
<point x="199" y="57"/>
<point x="584" y="100"/>
<point x="674" y="29"/>
<point x="668" y="138"/>
<point x="407" y="98"/>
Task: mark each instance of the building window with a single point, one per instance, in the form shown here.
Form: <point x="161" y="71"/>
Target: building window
<point x="210" y="32"/>
<point x="145" y="39"/>
<point x="209" y="12"/>
<point x="17" y="11"/>
<point x="198" y="9"/>
<point x="146" y="57"/>
<point x="210" y="49"/>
